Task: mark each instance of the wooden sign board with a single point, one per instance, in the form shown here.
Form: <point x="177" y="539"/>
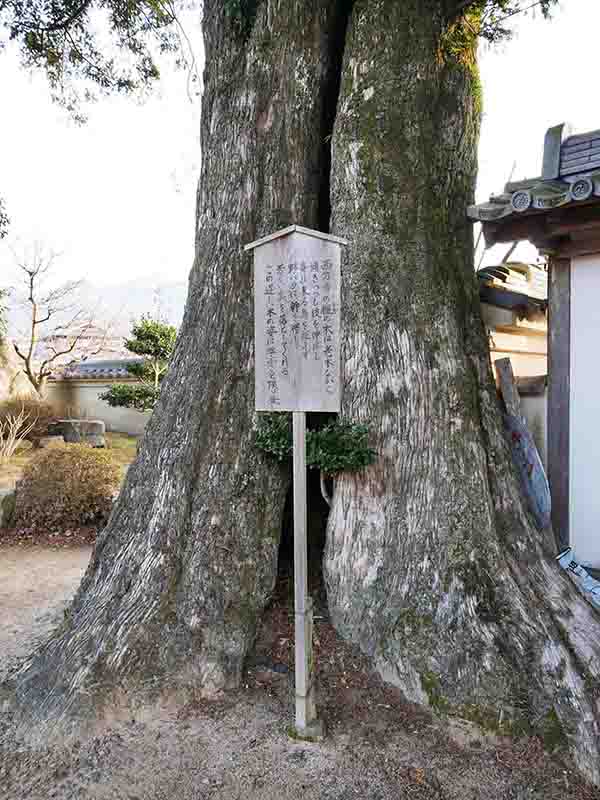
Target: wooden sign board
<point x="297" y="320"/>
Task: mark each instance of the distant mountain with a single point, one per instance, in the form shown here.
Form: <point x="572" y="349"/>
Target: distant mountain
<point x="128" y="301"/>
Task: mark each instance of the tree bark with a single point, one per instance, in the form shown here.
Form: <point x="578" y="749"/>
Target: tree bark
<point x="13" y="381"/>
<point x="181" y="574"/>
<point x="432" y="563"/>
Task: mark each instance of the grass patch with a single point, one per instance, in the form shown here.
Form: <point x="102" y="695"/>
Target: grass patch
<point x="123" y="448"/>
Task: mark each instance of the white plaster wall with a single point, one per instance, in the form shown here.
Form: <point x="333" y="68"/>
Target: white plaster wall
<point x="523" y="341"/>
<point x="82" y="398"/>
<point x="524" y="364"/>
<point x="584" y="411"/>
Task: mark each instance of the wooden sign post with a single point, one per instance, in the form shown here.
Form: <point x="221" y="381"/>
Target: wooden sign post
<point x="297" y="367"/>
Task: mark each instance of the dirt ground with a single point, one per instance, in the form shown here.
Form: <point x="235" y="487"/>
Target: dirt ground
<point x="36" y="583"/>
<point x="237" y="746"/>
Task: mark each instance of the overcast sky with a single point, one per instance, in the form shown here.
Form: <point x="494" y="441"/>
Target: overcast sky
<point x="116" y="196"/>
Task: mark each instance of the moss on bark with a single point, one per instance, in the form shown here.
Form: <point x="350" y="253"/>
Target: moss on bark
<point x="432" y="563"/>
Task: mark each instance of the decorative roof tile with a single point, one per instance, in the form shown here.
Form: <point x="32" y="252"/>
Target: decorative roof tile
<point x="114" y="368"/>
<point x="570" y="175"/>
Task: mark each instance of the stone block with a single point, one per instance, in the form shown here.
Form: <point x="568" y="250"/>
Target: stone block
<point x="81" y="431"/>
<point x="48" y="442"/>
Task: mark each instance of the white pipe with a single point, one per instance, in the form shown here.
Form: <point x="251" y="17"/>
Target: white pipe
<point x="588" y="585"/>
<point x="326" y="497"/>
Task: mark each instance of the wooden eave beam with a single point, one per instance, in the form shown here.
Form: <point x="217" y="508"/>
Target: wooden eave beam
<point x="588" y="218"/>
<point x="549" y="231"/>
<point x="514" y="229"/>
<point x="578" y="245"/>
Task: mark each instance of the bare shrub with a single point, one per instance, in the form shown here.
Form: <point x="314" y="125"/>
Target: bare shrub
<point x="35" y="409"/>
<point x="13" y="430"/>
<point x="67" y="486"/>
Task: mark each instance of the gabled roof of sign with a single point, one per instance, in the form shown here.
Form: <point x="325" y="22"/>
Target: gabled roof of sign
<point x="570" y="175"/>
<point x="294" y="229"/>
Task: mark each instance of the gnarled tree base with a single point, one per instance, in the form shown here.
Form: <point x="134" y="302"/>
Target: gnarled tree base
<point x="432" y="564"/>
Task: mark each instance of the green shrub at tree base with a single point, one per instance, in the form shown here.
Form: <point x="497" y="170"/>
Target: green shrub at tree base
<point x="66" y="486"/>
<point x="273" y="435"/>
<point x="340" y="446"/>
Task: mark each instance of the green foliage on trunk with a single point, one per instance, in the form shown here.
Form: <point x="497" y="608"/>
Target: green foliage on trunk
<point x="340" y="446"/>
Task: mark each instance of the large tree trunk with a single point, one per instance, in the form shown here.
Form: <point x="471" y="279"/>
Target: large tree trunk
<point x="432" y="563"/>
<point x="181" y="574"/>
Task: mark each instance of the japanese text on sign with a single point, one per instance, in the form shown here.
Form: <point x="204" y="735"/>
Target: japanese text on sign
<point x="297" y="316"/>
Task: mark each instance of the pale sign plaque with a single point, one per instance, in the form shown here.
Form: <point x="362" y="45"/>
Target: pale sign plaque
<point x="297" y="366"/>
<point x="297" y="320"/>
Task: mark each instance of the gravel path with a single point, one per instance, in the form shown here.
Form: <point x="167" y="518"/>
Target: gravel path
<point x="36" y="583"/>
<point x="239" y="750"/>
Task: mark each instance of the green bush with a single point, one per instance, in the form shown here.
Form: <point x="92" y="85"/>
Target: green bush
<point x="274" y="435"/>
<point x="35" y="408"/>
<point x="70" y="485"/>
<point x="7" y="510"/>
<point x="141" y="397"/>
<point x="154" y="341"/>
<point x="340" y="446"/>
